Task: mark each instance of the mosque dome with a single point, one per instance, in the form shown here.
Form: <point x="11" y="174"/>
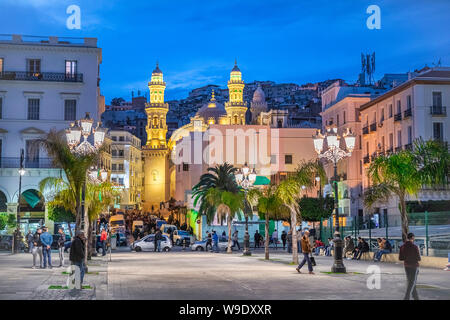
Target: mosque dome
<point x="258" y="95"/>
<point x="212" y="109"/>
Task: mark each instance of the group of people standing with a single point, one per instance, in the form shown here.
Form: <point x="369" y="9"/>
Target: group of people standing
<point x="40" y="246"/>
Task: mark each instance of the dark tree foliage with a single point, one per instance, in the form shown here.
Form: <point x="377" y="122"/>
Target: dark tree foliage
<point x="313" y="209"/>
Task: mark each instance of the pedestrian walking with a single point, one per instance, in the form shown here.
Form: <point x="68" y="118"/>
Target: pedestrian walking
<point x="283" y="239"/>
<point x="103" y="238"/>
<point x="275" y="238"/>
<point x="215" y="239"/>
<point x="37" y="248"/>
<point x="306" y="250"/>
<point x="77" y="253"/>
<point x="410" y="255"/>
<point x="47" y="239"/>
<point x="61" y="241"/>
<point x="235" y="240"/>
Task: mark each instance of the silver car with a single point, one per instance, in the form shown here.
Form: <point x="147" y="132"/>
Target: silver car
<point x="201" y="245"/>
<point x="147" y="243"/>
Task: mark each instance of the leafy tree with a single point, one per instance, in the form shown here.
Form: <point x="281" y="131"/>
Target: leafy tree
<point x="60" y="214"/>
<point x="314" y="209"/>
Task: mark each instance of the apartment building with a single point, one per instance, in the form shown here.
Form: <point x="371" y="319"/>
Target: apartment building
<point x="391" y="122"/>
<point x="45" y="83"/>
<point x="341" y="104"/>
<point x="127" y="167"/>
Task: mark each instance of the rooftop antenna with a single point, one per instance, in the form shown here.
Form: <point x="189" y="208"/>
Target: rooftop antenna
<point x="368" y="66"/>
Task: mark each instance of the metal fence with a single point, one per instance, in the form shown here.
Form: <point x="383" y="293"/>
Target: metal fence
<point x="431" y="230"/>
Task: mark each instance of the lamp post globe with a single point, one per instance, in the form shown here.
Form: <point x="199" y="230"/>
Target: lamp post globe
<point x="333" y="154"/>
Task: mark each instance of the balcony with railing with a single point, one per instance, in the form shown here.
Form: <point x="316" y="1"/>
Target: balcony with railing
<point x="438" y="111"/>
<point x="409" y="146"/>
<point x="373" y="127"/>
<point x="398" y="116"/>
<point x="407" y="113"/>
<point x="41" y="76"/>
<point x="37" y="163"/>
<point x="365" y="130"/>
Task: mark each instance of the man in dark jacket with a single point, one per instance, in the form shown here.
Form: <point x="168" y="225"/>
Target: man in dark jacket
<point x="158" y="239"/>
<point x="283" y="239"/>
<point x="61" y="241"/>
<point x="257" y="239"/>
<point x="77" y="251"/>
<point x="37" y="248"/>
<point x="410" y="255"/>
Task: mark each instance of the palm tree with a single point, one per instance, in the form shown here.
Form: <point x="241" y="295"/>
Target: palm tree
<point x="98" y="198"/>
<point x="269" y="206"/>
<point x="433" y="161"/>
<point x="227" y="205"/>
<point x="393" y="174"/>
<point x="404" y="174"/>
<point x="75" y="166"/>
<point x="221" y="179"/>
<point x="289" y="192"/>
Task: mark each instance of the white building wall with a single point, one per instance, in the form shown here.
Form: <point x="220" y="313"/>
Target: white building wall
<point x="15" y="129"/>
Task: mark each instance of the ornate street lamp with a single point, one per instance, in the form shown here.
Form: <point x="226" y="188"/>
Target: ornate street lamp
<point x="334" y="153"/>
<point x="84" y="128"/>
<point x="246" y="178"/>
<point x="17" y="235"/>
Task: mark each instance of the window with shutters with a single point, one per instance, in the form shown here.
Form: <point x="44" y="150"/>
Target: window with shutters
<point x="33" y="109"/>
<point x="70" y="110"/>
<point x="438" y="131"/>
<point x="34" y="66"/>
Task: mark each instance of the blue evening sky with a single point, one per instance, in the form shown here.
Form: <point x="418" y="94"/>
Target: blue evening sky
<point x="196" y="41"/>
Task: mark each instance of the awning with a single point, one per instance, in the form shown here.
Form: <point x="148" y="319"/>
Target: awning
<point x="261" y="181"/>
<point x="32" y="197"/>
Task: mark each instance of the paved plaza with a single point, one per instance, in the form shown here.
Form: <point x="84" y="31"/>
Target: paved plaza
<point x="205" y="276"/>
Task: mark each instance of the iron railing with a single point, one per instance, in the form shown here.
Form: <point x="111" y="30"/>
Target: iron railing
<point x="438" y="111"/>
<point x="365" y="130"/>
<point x="407" y="113"/>
<point x="373" y="127"/>
<point x="398" y="116"/>
<point x="41" y="76"/>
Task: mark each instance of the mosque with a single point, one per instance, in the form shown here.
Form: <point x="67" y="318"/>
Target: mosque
<point x="165" y="177"/>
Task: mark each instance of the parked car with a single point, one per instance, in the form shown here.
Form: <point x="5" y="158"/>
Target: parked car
<point x="201" y="245"/>
<point x="6" y="243"/>
<point x="179" y="236"/>
<point x="147" y="243"/>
